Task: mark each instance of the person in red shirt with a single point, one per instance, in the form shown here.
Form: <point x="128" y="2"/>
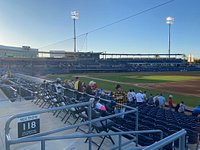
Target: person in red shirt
<point x="170" y="102"/>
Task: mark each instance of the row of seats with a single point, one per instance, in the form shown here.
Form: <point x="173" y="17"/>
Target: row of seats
<point x="49" y="99"/>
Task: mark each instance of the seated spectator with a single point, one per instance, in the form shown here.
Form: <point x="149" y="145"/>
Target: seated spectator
<point x="110" y="106"/>
<point x="100" y="92"/>
<point x="196" y="111"/>
<point x="93" y="86"/>
<point x="181" y="107"/>
<point x="58" y="87"/>
<point x="98" y="105"/>
<point x="88" y="90"/>
<point x="150" y="100"/>
<point x="170" y="102"/>
<point x="84" y="87"/>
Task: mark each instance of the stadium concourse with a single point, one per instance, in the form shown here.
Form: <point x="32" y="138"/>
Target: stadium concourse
<point x="33" y="92"/>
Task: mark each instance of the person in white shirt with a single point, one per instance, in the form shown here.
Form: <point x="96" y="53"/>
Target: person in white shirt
<point x="139" y="98"/>
<point x="131" y="96"/>
<point x="182" y="107"/>
<point x="58" y="87"/>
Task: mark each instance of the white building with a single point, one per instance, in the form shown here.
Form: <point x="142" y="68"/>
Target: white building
<point x="57" y="54"/>
<point x="18" y="52"/>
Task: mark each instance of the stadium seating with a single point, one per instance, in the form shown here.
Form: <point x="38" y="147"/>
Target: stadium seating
<point x="60" y="66"/>
<point x="150" y="117"/>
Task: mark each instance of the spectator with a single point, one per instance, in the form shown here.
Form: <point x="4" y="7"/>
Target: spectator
<point x="68" y="84"/>
<point x="150" y="100"/>
<point x="156" y="102"/>
<point x="161" y="100"/>
<point x="89" y="89"/>
<point x="177" y="107"/>
<point x="182" y="107"/>
<point x="98" y="105"/>
<point x="139" y="98"/>
<point x="144" y="96"/>
<point x="196" y="111"/>
<point x="170" y="102"/>
<point x="58" y="87"/>
<point x="121" y="98"/>
<point x="110" y="106"/>
<point x="93" y="86"/>
<point x="155" y="98"/>
<point x="118" y="88"/>
<point x="78" y="87"/>
<point x="131" y="96"/>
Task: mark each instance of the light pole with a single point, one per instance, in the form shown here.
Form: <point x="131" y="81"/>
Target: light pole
<point x="74" y="15"/>
<point x="169" y="21"/>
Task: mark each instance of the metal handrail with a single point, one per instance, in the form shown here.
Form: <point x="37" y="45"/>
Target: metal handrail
<point x="160" y="144"/>
<point x="10" y="141"/>
<point x="71" y="136"/>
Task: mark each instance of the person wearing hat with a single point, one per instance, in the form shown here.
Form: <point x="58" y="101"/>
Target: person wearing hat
<point x="170" y="102"/>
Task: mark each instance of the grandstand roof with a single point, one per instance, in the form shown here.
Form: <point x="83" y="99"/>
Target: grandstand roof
<point x="2" y="47"/>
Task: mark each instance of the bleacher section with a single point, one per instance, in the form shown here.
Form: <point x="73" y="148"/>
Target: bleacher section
<point x="169" y="122"/>
<point x="16" y="87"/>
<point x="60" y="66"/>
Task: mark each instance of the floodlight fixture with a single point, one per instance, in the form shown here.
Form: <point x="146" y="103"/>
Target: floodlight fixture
<point x="74" y="16"/>
<point x="169" y="21"/>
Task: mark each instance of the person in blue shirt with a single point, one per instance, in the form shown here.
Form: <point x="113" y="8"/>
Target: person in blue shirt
<point x="196" y="111"/>
<point x="161" y="100"/>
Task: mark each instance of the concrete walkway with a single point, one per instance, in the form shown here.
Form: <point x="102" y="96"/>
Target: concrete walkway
<point x="47" y="122"/>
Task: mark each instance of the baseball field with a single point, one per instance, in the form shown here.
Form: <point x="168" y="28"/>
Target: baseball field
<point x="184" y="86"/>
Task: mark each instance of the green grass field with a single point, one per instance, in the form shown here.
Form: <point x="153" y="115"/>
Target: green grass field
<point x="134" y="78"/>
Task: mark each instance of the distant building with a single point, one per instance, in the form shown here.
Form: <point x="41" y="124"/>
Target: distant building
<point x="57" y="54"/>
<point x="18" y="52"/>
<point x="74" y="56"/>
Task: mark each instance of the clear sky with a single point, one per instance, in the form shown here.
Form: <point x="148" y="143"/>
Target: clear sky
<point x="38" y="23"/>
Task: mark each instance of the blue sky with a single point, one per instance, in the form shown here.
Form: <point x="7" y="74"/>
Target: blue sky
<point x="39" y="23"/>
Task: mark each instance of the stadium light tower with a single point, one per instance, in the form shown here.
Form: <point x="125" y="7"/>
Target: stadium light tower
<point x="74" y="15"/>
<point x="169" y="21"/>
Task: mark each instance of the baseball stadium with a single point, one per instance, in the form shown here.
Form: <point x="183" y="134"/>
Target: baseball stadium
<point x="55" y="99"/>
